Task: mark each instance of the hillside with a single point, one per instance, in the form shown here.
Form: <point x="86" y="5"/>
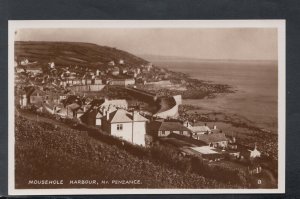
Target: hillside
<point x="47" y="150"/>
<point x="72" y="53"/>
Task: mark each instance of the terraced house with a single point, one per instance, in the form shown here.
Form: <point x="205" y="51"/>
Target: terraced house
<point x="165" y="128"/>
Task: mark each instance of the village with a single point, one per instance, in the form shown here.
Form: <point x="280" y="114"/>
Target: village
<point x="141" y="118"/>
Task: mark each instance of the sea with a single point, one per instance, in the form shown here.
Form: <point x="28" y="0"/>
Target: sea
<point x="255" y="84"/>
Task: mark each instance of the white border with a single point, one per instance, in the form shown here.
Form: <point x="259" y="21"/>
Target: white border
<point x="279" y="24"/>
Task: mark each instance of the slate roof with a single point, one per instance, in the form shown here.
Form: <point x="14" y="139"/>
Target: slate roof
<point x="197" y="129"/>
<point x="93" y="113"/>
<point x="122" y="115"/>
<point x="90" y="116"/>
<point x="213" y="137"/>
<point x="167" y="126"/>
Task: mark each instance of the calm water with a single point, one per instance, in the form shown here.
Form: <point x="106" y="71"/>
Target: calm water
<point x="255" y="82"/>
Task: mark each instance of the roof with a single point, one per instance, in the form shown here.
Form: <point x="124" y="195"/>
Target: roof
<point x="212" y="137"/>
<point x="80" y="110"/>
<point x="97" y="102"/>
<point x="139" y="118"/>
<point x="196" y="129"/>
<point x="91" y="113"/>
<point x="33" y="66"/>
<point x="49" y="105"/>
<point x="167" y="126"/>
<point x="205" y="150"/>
<point x="173" y="126"/>
<point x="74" y="106"/>
<point x="121" y="115"/>
<point x="31" y="90"/>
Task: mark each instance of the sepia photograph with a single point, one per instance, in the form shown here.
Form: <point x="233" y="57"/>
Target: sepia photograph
<point x="146" y="107"/>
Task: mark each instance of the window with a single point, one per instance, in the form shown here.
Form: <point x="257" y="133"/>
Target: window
<point x="119" y="127"/>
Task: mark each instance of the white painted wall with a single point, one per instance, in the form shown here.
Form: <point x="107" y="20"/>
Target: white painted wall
<point x="173" y="112"/>
<point x="23" y="100"/>
<point x="98" y="121"/>
<point x="125" y="133"/>
<point x="255" y="153"/>
<point x="139" y="133"/>
<point x="178" y="99"/>
<point x="163" y="133"/>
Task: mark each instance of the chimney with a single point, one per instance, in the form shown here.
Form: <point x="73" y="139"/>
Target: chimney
<point x="107" y="114"/>
<point x="233" y="139"/>
<point x="133" y="114"/>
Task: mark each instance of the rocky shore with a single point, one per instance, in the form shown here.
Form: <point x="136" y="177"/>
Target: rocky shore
<point x="188" y="87"/>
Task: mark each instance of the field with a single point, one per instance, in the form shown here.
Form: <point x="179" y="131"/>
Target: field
<point x="72" y="53"/>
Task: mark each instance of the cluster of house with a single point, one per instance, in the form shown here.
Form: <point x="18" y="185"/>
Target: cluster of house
<point x="210" y="143"/>
<point x="69" y="76"/>
<point x="115" y="117"/>
<point x="112" y="116"/>
<point x="32" y="68"/>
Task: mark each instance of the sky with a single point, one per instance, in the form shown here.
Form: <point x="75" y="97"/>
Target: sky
<point x="199" y="43"/>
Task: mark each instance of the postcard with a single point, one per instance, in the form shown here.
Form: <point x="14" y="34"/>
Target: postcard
<point x="146" y="107"/>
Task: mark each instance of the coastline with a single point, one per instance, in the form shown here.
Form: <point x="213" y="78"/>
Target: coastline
<point x="253" y="88"/>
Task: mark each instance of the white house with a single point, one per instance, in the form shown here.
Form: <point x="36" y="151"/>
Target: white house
<point x="19" y="69"/>
<point x="98" y="72"/>
<point x="111" y="63"/>
<point x="34" y="70"/>
<point x="24" y="62"/>
<point x="254" y="153"/>
<point x="23" y="100"/>
<point x="98" y="80"/>
<point x="51" y="64"/>
<point x="130" y="126"/>
<point x="121" y="61"/>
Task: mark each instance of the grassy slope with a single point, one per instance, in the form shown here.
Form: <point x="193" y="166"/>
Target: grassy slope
<point x="46" y="151"/>
<point x="72" y="53"/>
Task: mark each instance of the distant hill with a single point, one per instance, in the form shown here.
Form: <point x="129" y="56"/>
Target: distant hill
<point x="72" y="53"/>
